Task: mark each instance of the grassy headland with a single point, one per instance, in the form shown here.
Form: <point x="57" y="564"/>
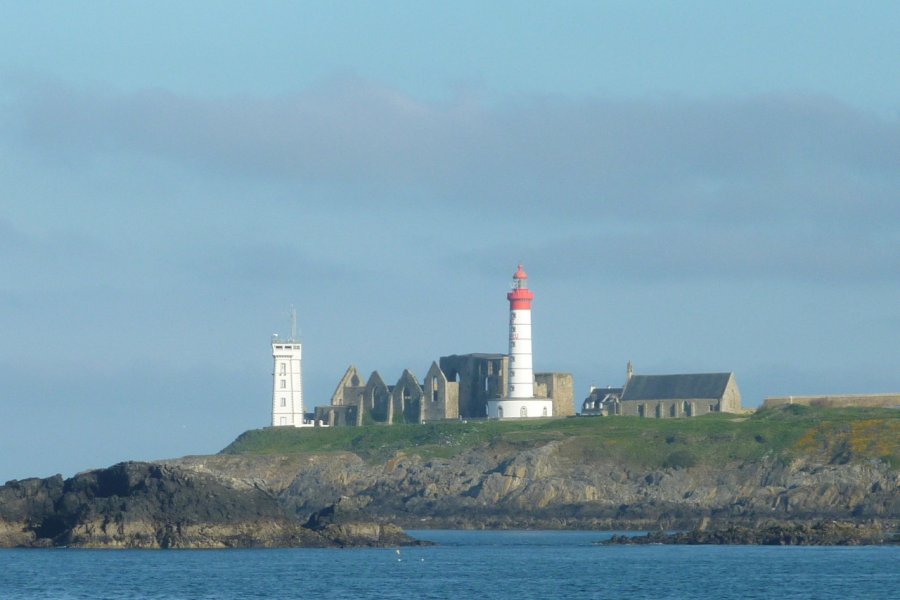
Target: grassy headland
<point x="832" y="435"/>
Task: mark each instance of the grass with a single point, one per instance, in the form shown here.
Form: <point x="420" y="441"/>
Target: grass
<point x="833" y="435"/>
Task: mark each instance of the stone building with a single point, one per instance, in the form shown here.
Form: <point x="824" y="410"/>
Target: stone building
<point x="560" y="388"/>
<point x="478" y="377"/>
<point x="458" y="387"/>
<point x="600" y="401"/>
<point x="667" y="396"/>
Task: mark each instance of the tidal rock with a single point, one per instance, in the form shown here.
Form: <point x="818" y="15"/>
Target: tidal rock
<point x="145" y="505"/>
<point x="822" y="533"/>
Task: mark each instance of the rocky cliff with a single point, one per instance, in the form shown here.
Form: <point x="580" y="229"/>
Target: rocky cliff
<point x="142" y="505"/>
<point x="344" y="486"/>
<point x="555" y="485"/>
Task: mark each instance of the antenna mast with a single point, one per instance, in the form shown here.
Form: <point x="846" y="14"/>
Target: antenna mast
<point x="293" y="324"/>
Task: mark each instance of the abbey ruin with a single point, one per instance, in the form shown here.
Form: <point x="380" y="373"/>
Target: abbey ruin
<point x="455" y="387"/>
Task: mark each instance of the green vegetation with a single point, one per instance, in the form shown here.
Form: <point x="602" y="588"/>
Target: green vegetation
<point x="833" y="435"/>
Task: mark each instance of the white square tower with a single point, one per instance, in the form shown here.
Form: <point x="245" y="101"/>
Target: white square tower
<point x="287" y="380"/>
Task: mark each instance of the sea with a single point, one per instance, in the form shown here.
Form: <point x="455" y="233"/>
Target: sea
<point x="508" y="565"/>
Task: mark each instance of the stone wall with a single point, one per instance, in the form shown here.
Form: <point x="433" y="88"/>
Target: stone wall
<point x="560" y="388"/>
<point x="860" y="400"/>
<point x="407" y="399"/>
<point x="731" y="398"/>
<point x="377" y="404"/>
<point x="337" y="416"/>
<point x="481" y="377"/>
<point x="668" y="409"/>
<point x="441" y="396"/>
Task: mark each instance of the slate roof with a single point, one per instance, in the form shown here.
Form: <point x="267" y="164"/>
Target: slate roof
<point x="676" y="387"/>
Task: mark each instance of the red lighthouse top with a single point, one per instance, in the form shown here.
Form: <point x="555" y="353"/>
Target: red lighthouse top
<point x="520" y="297"/>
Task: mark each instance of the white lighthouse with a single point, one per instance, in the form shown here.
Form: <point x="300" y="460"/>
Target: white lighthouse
<point x="287" y="379"/>
<point x="519" y="400"/>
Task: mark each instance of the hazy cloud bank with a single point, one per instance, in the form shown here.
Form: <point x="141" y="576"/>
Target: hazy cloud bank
<point x="770" y="159"/>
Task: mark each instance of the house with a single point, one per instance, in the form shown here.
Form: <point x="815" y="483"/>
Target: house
<point x="667" y="396"/>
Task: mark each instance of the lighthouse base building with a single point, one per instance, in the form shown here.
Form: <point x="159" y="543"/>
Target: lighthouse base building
<point x="518" y="408"/>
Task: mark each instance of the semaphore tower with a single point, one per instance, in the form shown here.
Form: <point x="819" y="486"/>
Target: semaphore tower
<point x="287" y="379"/>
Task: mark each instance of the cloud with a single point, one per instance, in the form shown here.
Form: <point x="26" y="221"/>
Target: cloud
<point x="764" y="187"/>
<point x="661" y="159"/>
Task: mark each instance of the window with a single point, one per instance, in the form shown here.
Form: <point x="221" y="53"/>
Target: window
<point x="545" y="411"/>
<point x="283" y="384"/>
<point x="283" y="402"/>
<point x="283" y="369"/>
<point x="523" y="412"/>
<point x="500" y="411"/>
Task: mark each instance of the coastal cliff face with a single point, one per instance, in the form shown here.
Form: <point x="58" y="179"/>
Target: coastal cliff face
<point x="554" y="485"/>
<point x="143" y="505"/>
<point x="352" y="486"/>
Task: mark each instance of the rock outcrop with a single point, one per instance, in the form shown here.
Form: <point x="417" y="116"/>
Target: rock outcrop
<point x="145" y="505"/>
<point x="822" y="533"/>
<point x="554" y="486"/>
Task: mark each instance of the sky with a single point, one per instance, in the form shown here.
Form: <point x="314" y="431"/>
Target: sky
<point x="693" y="186"/>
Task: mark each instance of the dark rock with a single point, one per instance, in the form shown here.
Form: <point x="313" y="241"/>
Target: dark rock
<point x="821" y="533"/>
<point x="144" y="505"/>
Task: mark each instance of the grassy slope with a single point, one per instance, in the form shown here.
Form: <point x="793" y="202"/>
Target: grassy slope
<point x="833" y="435"/>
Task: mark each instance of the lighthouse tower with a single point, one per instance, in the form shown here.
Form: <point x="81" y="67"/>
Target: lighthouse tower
<point x="521" y="374"/>
<point x="519" y="400"/>
<point x="287" y="384"/>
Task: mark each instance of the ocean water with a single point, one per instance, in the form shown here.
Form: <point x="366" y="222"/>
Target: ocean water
<point x="466" y="564"/>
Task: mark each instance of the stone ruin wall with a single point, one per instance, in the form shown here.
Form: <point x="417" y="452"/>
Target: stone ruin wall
<point x="560" y="387"/>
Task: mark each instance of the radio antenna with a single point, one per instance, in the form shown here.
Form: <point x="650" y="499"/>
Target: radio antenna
<point x="293" y="324"/>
